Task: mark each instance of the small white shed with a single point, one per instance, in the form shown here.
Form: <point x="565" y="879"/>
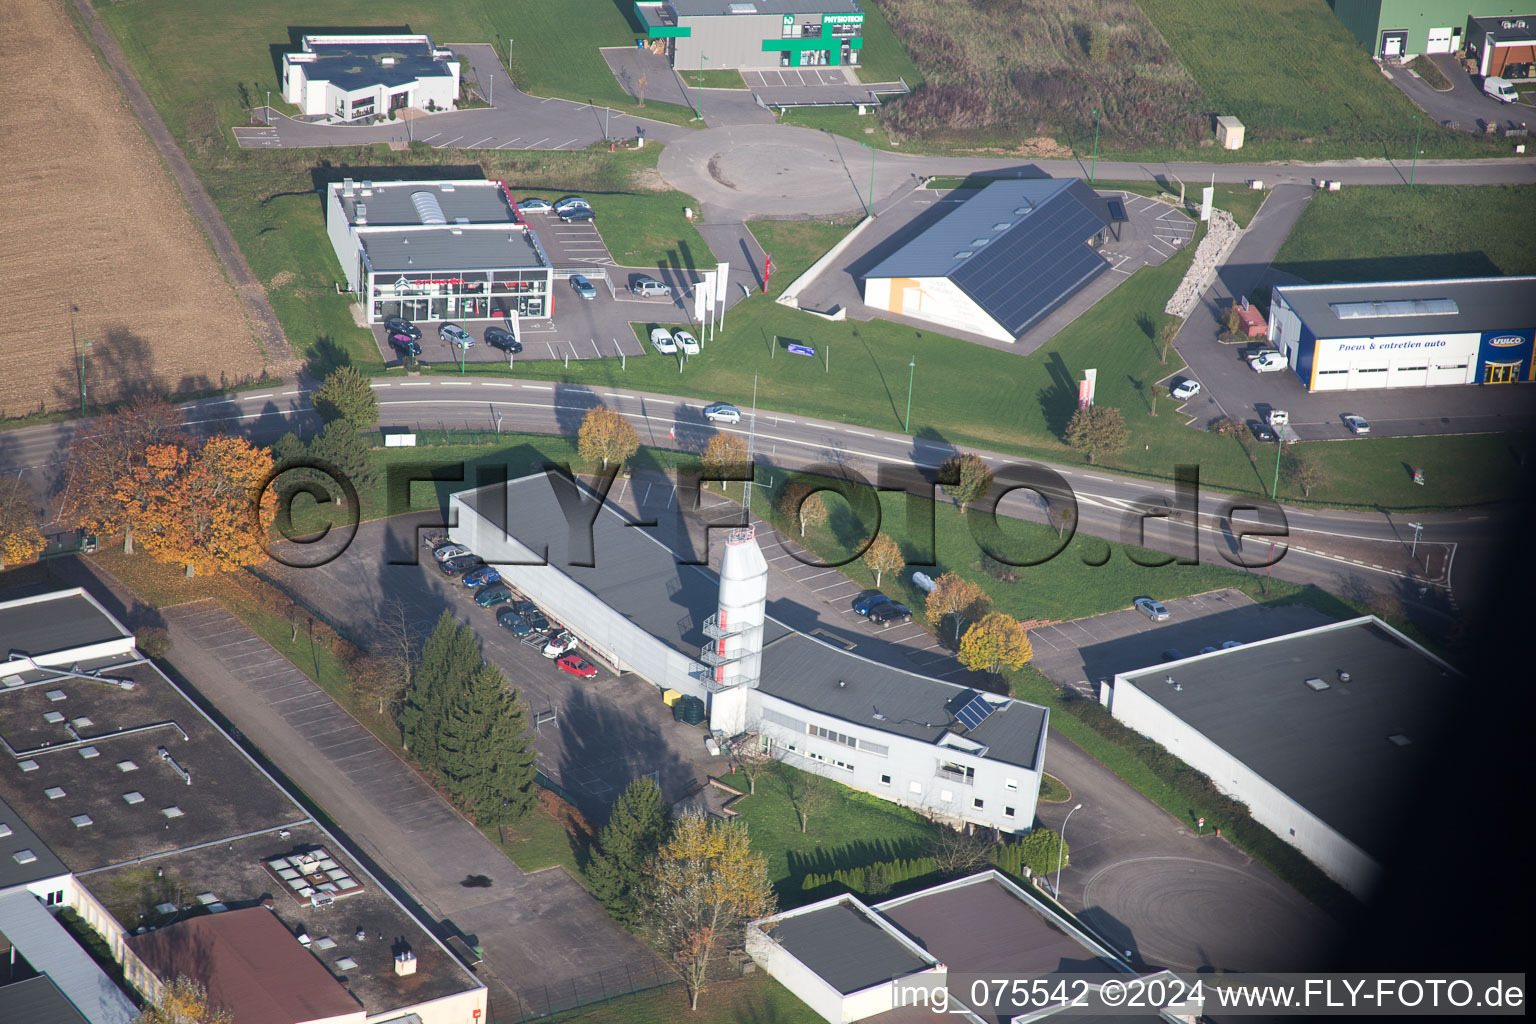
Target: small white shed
<point x="1229" y="132"/>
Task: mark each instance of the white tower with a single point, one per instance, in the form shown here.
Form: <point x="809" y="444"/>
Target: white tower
<point x="735" y="652"/>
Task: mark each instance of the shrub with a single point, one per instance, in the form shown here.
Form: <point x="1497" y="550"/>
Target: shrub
<point x="153" y="641"/>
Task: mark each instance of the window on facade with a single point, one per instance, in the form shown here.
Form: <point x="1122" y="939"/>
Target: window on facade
<point x="915" y="787"/>
<point x="1007" y="812"/>
<point x="885" y="780"/>
<point x="977" y="803"/>
<point x="878" y="749"/>
<point x="834" y="736"/>
<point x="1011" y="783"/>
<point x="946" y="795"/>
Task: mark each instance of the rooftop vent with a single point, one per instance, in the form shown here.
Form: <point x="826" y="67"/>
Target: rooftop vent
<point x="53" y="792"/>
<point x="405" y="963"/>
<point x="346" y="963"/>
<point x="127" y="766"/>
<point x="446" y="186"/>
<point x="56" y="695"/>
<point x="428" y="209"/>
<point x="1004" y="225"/>
<point x="83" y="722"/>
<point x="980" y="241"/>
<point x="89" y="752"/>
<point x="743" y="8"/>
<point x="28" y="765"/>
<point x="5" y="830"/>
<point x="325" y="942"/>
<point x="172" y="811"/>
<point x="1343" y="676"/>
<point x="133" y="797"/>
<point x="165" y="755"/>
<point x="1317" y="684"/>
<point x="82" y="820"/>
<point x="346" y="188"/>
<point x="1399" y="739"/>
<point x="962" y="254"/>
<point x="1394" y="308"/>
<point x="360" y="214"/>
<point x="24" y="856"/>
<point x="13" y="681"/>
<point x="388" y="62"/>
<point x="52" y="717"/>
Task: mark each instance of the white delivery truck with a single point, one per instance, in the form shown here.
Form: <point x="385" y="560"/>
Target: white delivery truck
<point x="1280" y="423"/>
<point x="1501" y="89"/>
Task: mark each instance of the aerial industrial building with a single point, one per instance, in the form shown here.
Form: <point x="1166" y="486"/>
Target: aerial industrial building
<point x="357" y="78"/>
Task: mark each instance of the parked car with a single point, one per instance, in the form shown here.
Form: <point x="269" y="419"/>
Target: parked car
<point x="530" y="612"/>
<point x="1227" y="645"/>
<point x="577" y="214"/>
<point x="500" y="337"/>
<point x="662" y="339"/>
<point x="571" y="203"/>
<point x="583" y="287"/>
<point x="408" y="347"/>
<point x="400" y="325"/>
<point x="509" y="619"/>
<point x="889" y="611"/>
<point x="1209" y="650"/>
<point x="453" y="334"/>
<point x="866" y="603"/>
<point x="576" y="665"/>
<point x="561" y="643"/>
<point x="687" y="342"/>
<point x="1266" y="362"/>
<point x="1151" y="609"/>
<point x="535" y="206"/>
<point x="496" y="593"/>
<point x="722" y="412"/>
<point x="1173" y="654"/>
<point x="1357" y="424"/>
<point x="447" y="551"/>
<point x="1261" y="431"/>
<point x="648" y="286"/>
<point x="1185" y="388"/>
<point x="464" y="563"/>
<point x="481" y="576"/>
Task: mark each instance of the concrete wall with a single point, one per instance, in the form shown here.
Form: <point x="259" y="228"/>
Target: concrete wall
<point x="1339" y="858"/>
<point x="343" y="241"/>
<point x="734" y="41"/>
<point x="780" y="965"/>
<point x="458" y="1008"/>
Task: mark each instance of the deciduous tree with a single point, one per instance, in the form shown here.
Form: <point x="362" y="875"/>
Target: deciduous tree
<point x="105" y="449"/>
<point x="376" y="682"/>
<point x="204" y="508"/>
<point x="965" y="477"/>
<point x="725" y="458"/>
<point x="993" y="642"/>
<point x="20" y="539"/>
<point x="483" y="750"/>
<point x="346" y="395"/>
<point x="1095" y="431"/>
<point x="1304" y="469"/>
<point x="605" y="436"/>
<point x="883" y="556"/>
<point x="810" y="794"/>
<point x="956" y="598"/>
<point x="957" y="853"/>
<point x="803" y="505"/>
<point x="638" y="824"/>
<point x="184" y="1001"/>
<point x="705" y="886"/>
<point x="754" y="759"/>
<point x="1169" y="332"/>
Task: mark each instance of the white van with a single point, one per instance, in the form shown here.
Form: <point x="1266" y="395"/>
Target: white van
<point x="1501" y="89"/>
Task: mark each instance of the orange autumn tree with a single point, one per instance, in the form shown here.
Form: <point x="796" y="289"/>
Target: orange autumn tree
<point x="101" y="451"/>
<point x="204" y="508"/>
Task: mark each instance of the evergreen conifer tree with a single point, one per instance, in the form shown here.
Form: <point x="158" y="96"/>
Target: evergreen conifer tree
<point x="448" y="658"/>
<point x="639" y="824"/>
<point x="483" y="749"/>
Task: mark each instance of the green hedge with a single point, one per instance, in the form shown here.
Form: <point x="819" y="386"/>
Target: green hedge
<point x="1035" y="854"/>
<point x="872" y="879"/>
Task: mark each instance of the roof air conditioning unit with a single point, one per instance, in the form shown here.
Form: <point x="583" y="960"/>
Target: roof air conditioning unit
<point x="346" y="188"/>
<point x="1343" y="676"/>
<point x="361" y="214"/>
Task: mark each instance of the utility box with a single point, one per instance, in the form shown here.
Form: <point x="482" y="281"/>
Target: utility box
<point x="669" y="697"/>
<point x="1229" y="132"/>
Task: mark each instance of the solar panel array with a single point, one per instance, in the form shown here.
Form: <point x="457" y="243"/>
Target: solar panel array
<point x="977" y="710"/>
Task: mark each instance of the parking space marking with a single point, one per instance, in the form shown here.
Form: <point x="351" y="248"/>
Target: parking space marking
<point x="509" y="142"/>
<point x="539" y="143"/>
<point x="448" y="143"/>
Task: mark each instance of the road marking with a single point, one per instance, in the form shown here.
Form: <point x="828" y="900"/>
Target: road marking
<point x="285" y="394"/>
<point x="567" y="142"/>
<point x="252" y="398"/>
<point x="493" y="384"/>
<point x="539" y="143"/>
<point x="538" y="387"/>
<point x="476" y="145"/>
<point x="448" y="143"/>
<point x="859" y="432"/>
<point x="377" y="385"/>
<point x="429" y="138"/>
<point x="509" y="142"/>
<point x="415" y="384"/>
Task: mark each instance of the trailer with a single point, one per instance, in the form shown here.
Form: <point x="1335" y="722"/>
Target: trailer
<point x="1280" y="423"/>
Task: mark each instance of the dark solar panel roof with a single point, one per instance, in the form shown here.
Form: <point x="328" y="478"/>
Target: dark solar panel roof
<point x="846" y="947"/>
<point x="1017" y="248"/>
<point x="358" y="65"/>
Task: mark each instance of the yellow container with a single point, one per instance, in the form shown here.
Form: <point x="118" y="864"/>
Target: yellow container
<point x="669" y="697"/>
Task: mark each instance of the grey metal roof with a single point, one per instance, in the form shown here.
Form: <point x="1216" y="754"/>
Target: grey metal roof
<point x="637" y="574"/>
<point x="419" y="250"/>
<point x="1017" y="248"/>
<point x="38" y="1001"/>
<point x="45" y="864"/>
<point x="57" y="624"/>
<point x="821" y="677"/>
<point x="53" y="951"/>
<point x="354" y="66"/>
<point x="1330" y="750"/>
<point x="1483" y="304"/>
<point x="705" y="8"/>
<point x="845" y="947"/>
<point x="393" y="203"/>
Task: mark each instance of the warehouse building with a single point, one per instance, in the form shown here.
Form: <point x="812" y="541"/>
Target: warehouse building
<point x="437" y="250"/>
<point x="1000" y="261"/>
<point x="1325" y="734"/>
<point x="754" y="34"/>
<point x="1503" y="47"/>
<point x="1404" y="334"/>
<point x="355" y="78"/>
<point x="948" y="751"/>
<point x="1399" y="29"/>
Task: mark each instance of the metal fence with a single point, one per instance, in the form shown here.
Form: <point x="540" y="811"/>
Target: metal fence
<point x="540" y="1002"/>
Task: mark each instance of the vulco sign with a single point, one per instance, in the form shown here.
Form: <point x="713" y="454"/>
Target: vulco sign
<point x="1506" y="341"/>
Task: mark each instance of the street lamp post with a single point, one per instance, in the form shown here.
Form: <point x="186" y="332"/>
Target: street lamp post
<point x="1413" y="170"/>
<point x="1093" y="168"/>
<point x="1061" y="848"/>
<point x="871" y="179"/>
<point x="1279" y="447"/>
<point x="1418" y="528"/>
<point x="702" y="59"/>
<point x="268" y="118"/>
<point x="906" y="424"/>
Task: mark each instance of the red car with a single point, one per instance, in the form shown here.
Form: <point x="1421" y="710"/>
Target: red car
<point x="576" y="665"/>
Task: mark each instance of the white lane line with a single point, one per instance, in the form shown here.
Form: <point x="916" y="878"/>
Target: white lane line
<point x="538" y="387"/>
<point x="375" y="384"/>
<point x="415" y="384"/>
<point x="252" y="398"/>
<point x="567" y="142"/>
<point x="285" y="394"/>
<point x="448" y="143"/>
<point x="859" y="432"/>
<point x="493" y="384"/>
<point x="429" y="138"/>
<point x="539" y="143"/>
<point x="476" y="145"/>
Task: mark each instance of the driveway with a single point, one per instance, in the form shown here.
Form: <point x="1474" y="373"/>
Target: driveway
<point x="515" y="121"/>
<point x="1149" y="234"/>
<point x="1465" y="104"/>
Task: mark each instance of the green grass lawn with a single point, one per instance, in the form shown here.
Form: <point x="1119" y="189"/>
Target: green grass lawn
<point x="884" y="57"/>
<point x="1403" y="234"/>
<point x="644" y="229"/>
<point x="1298" y="80"/>
<point x="844" y="121"/>
<point x="755" y="999"/>
<point x="856" y="829"/>
<point x="712" y="78"/>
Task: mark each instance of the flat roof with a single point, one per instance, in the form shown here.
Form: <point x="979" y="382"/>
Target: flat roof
<point x="356" y="63"/>
<point x="1018" y="248"/>
<point x="846" y="946"/>
<point x="75" y="737"/>
<point x="38" y="1001"/>
<point x="472" y="248"/>
<point x="17" y="841"/>
<point x="50" y="623"/>
<point x="395" y="203"/>
<point x="1349" y="752"/>
<point x="636" y="572"/>
<point x="49" y="948"/>
<point x="236" y="876"/>
<point x="1481" y="304"/>
<point x="1514" y="34"/>
<point x="250" y="963"/>
<point x="735" y="8"/>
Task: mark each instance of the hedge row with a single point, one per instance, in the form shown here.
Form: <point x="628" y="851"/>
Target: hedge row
<point x="1035" y="854"/>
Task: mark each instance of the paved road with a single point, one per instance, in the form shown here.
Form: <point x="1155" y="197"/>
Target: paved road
<point x="1464" y="104"/>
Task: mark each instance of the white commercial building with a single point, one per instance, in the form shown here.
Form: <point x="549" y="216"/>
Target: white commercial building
<point x="1324" y="734"/>
<point x="1406" y="334"/>
<point x="356" y="78"/>
<point x="637" y="605"/>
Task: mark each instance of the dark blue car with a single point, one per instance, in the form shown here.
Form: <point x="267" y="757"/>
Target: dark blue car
<point x="481" y="576"/>
<point x="867" y="603"/>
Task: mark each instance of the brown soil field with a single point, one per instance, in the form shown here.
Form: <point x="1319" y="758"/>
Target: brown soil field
<point x="92" y="220"/>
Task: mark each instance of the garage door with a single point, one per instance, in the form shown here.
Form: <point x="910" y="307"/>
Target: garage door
<point x="1439" y="41"/>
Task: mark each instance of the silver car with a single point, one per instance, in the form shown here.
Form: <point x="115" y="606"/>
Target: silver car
<point x="722" y="412"/>
<point x="1151" y="609"/>
<point x="453" y="334"/>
